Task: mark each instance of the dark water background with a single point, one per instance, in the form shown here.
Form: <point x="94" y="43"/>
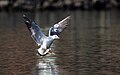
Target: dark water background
<point x="89" y="46"/>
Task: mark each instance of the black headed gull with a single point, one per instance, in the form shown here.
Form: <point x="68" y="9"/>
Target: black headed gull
<point x="42" y="40"/>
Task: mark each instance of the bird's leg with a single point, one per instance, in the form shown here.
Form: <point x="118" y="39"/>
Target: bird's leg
<point x="50" y="52"/>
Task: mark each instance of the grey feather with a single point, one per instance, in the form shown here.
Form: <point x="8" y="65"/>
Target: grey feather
<point x="35" y="30"/>
<point x="45" y="41"/>
<point x="59" y="27"/>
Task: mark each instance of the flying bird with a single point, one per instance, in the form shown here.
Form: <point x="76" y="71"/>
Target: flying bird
<point x="44" y="42"/>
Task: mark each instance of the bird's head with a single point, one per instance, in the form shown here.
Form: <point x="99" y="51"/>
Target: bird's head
<point x="55" y="37"/>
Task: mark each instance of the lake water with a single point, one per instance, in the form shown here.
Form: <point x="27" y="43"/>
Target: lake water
<point x="89" y="46"/>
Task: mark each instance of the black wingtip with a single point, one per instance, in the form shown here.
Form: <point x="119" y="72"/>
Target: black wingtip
<point x="26" y="18"/>
<point x="24" y="15"/>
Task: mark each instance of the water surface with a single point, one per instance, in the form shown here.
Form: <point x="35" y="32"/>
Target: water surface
<point x="89" y="46"/>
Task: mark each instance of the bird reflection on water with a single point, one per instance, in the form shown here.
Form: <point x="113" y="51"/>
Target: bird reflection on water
<point x="46" y="66"/>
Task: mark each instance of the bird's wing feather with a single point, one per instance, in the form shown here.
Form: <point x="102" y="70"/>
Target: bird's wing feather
<point x="59" y="27"/>
<point x="35" y="30"/>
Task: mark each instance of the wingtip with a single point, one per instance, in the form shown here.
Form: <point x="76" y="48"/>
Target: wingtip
<point x="24" y="16"/>
<point x="68" y="17"/>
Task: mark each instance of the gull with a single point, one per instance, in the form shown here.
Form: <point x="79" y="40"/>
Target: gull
<point x="44" y="42"/>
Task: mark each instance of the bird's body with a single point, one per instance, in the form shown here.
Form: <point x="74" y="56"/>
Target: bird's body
<point x="45" y="47"/>
<point x="48" y="41"/>
<point x="43" y="41"/>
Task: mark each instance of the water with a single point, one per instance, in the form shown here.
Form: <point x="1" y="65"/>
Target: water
<point x="89" y="46"/>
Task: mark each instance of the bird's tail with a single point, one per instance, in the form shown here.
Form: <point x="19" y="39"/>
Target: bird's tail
<point x="42" y="52"/>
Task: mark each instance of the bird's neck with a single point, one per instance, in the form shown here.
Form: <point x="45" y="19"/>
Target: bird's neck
<point x="52" y="37"/>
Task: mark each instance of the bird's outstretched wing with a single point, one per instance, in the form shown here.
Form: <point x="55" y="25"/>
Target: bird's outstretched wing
<point x="35" y="30"/>
<point x="59" y="27"/>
